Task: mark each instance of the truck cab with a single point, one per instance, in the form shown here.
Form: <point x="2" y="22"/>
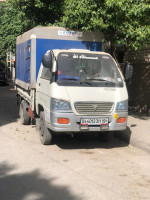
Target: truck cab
<point x="80" y="90"/>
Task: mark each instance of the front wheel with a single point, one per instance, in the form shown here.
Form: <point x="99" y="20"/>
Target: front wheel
<point x="45" y="134"/>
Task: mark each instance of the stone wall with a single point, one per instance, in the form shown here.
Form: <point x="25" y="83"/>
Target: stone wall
<point x="139" y="87"/>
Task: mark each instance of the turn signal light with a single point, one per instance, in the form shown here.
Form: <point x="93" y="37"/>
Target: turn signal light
<point x="63" y="121"/>
<point x="121" y="120"/>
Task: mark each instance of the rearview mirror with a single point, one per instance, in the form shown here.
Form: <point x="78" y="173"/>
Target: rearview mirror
<point x="47" y="60"/>
<point x="128" y="70"/>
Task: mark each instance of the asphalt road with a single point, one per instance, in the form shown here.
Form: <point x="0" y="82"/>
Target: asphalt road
<point x="79" y="168"/>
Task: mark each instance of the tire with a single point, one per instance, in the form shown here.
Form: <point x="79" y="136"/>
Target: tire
<point x="23" y="112"/>
<point x="105" y="136"/>
<point x="45" y="134"/>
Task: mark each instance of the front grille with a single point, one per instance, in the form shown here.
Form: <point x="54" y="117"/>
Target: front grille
<point x="94" y="108"/>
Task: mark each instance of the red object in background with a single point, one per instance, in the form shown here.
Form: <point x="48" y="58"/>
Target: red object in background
<point x="30" y="112"/>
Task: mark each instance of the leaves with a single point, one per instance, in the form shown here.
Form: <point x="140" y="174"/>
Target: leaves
<point x="123" y="22"/>
<point x="18" y="16"/>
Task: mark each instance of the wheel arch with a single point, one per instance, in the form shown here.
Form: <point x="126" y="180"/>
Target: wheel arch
<point x="40" y="108"/>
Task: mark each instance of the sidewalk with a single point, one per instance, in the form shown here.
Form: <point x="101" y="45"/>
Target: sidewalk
<point x="137" y="133"/>
<point x="140" y="132"/>
<point x="11" y="83"/>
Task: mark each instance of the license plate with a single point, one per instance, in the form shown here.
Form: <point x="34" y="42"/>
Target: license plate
<point x="94" y="121"/>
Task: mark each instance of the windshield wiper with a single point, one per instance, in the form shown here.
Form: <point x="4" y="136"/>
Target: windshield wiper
<point x="96" y="79"/>
<point x="110" y="83"/>
<point x="70" y="79"/>
<point x="85" y="82"/>
<point x="103" y="80"/>
<point x="75" y="79"/>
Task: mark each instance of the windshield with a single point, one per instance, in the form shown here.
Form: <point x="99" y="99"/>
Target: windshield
<point x="91" y="69"/>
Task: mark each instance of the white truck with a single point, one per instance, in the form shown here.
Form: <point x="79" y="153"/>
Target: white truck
<point x="65" y="80"/>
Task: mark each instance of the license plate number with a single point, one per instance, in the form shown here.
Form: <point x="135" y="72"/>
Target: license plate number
<point x="91" y="121"/>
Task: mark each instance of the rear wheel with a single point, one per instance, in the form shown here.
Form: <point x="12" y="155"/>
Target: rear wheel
<point x="45" y="134"/>
<point x="23" y="112"/>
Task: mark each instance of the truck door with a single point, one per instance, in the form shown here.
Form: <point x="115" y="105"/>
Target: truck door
<point x="43" y="91"/>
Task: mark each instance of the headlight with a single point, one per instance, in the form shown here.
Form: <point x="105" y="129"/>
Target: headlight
<point x="123" y="105"/>
<point x="57" y="104"/>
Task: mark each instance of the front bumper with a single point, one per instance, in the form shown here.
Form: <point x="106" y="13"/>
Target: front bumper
<point x="74" y="122"/>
